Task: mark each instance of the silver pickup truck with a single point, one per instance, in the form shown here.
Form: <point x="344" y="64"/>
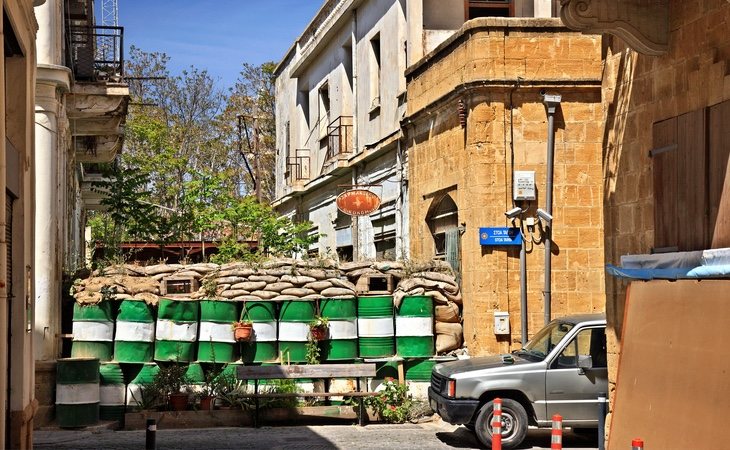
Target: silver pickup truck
<point x="561" y="370"/>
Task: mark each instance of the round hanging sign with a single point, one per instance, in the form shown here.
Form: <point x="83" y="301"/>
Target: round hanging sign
<point x="358" y="202"/>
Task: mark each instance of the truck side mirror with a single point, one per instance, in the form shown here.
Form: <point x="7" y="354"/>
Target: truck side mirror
<point x="585" y="362"/>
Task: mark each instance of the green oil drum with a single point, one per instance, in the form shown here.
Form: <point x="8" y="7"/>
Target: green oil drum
<point x="134" y="341"/>
<point x="215" y="341"/>
<point x="294" y="321"/>
<point x="341" y="344"/>
<point x="418" y="369"/>
<point x="93" y="331"/>
<point x="77" y="392"/>
<point x="263" y="346"/>
<point x="414" y="327"/>
<point x="375" y="326"/>
<point x="177" y="330"/>
<point x="136" y="389"/>
<point x="111" y="392"/>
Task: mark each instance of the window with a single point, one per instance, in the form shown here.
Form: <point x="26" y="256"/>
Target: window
<point x="375" y="58"/>
<point x="590" y="342"/>
<point x="384" y="238"/>
<point x="690" y="168"/>
<point x="488" y="8"/>
<point x="324" y="110"/>
<point x="444" y="216"/>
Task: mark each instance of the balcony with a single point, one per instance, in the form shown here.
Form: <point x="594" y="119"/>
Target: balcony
<point x="339" y="143"/>
<point x="297" y="168"/>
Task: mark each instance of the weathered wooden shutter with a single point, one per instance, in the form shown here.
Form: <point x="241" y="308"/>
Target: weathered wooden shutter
<point x="452" y="249"/>
<point x="719" y="175"/>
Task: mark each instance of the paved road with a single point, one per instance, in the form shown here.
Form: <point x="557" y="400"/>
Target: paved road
<point x="427" y="436"/>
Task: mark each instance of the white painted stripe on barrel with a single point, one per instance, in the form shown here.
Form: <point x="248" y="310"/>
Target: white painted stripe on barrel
<point x="264" y="331"/>
<point x="381" y="327"/>
<point x="343" y="329"/>
<point x="111" y="394"/>
<point x="168" y="330"/>
<point x="293" y="331"/>
<point x="77" y="394"/>
<point x="135" y="331"/>
<point x="93" y="331"/>
<point x="414" y="326"/>
<point x="216" y="332"/>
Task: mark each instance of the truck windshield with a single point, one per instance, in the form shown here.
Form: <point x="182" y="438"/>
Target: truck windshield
<point x="546" y="339"/>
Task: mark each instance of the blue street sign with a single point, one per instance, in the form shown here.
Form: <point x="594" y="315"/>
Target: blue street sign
<point x="499" y="236"/>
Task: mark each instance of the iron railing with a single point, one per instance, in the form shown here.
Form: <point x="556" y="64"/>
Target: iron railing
<point x="339" y="137"/>
<point x="297" y="167"/>
<point x="96" y="53"/>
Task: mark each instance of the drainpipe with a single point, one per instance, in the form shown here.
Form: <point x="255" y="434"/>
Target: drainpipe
<point x="551" y="102"/>
<point x="523" y="290"/>
<point x="354" y="83"/>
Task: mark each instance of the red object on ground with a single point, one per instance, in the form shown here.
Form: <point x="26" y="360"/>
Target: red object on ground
<point x="556" y="436"/>
<point x="497" y="425"/>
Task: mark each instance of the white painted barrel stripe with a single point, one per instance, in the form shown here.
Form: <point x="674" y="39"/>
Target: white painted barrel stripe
<point x="77" y="394"/>
<point x="93" y="331"/>
<point x="135" y="331"/>
<point x="134" y="394"/>
<point x="264" y="331"/>
<point x="293" y="331"/>
<point x="413" y="326"/>
<point x="380" y="327"/>
<point x="111" y="394"/>
<point x="168" y="330"/>
<point x="343" y="329"/>
<point x="216" y="332"/>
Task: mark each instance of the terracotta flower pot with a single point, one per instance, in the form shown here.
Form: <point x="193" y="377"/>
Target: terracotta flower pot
<point x="178" y="402"/>
<point x="242" y="332"/>
<point x="319" y="333"/>
<point x="206" y="402"/>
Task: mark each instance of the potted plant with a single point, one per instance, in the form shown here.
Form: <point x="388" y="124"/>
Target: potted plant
<point x="169" y="381"/>
<point x="318" y="328"/>
<point x="243" y="329"/>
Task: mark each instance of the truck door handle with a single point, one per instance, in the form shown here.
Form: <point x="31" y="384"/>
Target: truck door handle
<point x="557" y="392"/>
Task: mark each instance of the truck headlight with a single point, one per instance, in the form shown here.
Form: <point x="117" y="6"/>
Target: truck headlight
<point x="451" y="388"/>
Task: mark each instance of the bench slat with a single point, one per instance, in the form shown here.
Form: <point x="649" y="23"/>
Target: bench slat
<point x="310" y="394"/>
<point x="306" y="371"/>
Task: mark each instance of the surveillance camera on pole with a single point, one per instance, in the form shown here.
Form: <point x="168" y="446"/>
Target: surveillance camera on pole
<point x="513" y="213"/>
<point x="545" y="216"/>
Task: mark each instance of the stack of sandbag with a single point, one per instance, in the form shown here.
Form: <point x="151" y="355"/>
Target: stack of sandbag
<point x="276" y="280"/>
<point x="116" y="285"/>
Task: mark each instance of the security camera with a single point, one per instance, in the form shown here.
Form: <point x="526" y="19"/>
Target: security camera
<point x="514" y="212"/>
<point x="545" y="216"/>
<point x="542" y="92"/>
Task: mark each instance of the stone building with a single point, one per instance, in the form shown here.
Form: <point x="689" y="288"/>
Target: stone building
<point x="666" y="98"/>
<point x="478" y="110"/>
<point x="81" y="106"/>
<point x="341" y="94"/>
<point x="17" y="399"/>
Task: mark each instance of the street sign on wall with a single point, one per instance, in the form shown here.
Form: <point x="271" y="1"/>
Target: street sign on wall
<point x="358" y="202"/>
<point x="500" y="236"/>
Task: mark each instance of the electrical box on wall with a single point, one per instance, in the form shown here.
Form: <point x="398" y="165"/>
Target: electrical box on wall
<point x="523" y="185"/>
<point x="501" y="322"/>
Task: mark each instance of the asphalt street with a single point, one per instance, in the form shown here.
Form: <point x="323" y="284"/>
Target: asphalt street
<point x="430" y="435"/>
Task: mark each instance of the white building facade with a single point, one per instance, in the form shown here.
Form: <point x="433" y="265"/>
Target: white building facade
<point x="340" y="98"/>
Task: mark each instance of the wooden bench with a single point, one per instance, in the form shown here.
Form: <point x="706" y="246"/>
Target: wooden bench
<point x="358" y="371"/>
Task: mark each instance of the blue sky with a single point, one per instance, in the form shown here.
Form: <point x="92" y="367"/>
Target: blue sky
<point x="217" y="35"/>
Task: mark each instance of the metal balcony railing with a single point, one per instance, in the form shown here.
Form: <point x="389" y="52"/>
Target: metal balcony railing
<point x="339" y="137"/>
<point x="96" y="53"/>
<point x="297" y="167"/>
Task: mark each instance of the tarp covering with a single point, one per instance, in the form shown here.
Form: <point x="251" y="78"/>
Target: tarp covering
<point x="713" y="263"/>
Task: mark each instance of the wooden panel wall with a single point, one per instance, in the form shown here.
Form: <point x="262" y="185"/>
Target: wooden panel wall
<point x="719" y="175"/>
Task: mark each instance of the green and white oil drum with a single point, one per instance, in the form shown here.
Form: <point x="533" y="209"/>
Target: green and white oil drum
<point x="418" y="369"/>
<point x="294" y="319"/>
<point x="216" y="342"/>
<point x="177" y="330"/>
<point x="263" y="346"/>
<point x="93" y="331"/>
<point x="111" y="392"/>
<point x="375" y="326"/>
<point x="77" y="392"/>
<point x="136" y="395"/>
<point x="134" y="340"/>
<point x="341" y="344"/>
<point x="414" y="327"/>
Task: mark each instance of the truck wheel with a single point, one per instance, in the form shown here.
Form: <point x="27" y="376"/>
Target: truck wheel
<point x="514" y="424"/>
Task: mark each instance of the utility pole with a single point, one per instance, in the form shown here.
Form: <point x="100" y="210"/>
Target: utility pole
<point x="257" y="157"/>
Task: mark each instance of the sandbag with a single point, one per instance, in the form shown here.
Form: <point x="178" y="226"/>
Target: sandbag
<point x="297" y="280"/>
<point x="355" y="265"/>
<point x="447" y="313"/>
<point x="233" y="293"/>
<point x="265" y="295"/>
<point x="266" y="278"/>
<point x="449" y="336"/>
<point x="335" y="292"/>
<point x="318" y="285"/>
<point x="250" y="285"/>
<point x="438" y="297"/>
<point x="278" y="287"/>
<point x="298" y="292"/>
<point x="345" y="284"/>
<point x="317" y="274"/>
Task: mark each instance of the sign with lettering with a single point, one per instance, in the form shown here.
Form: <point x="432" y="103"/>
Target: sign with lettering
<point x="358" y="202"/>
<point x="500" y="236"/>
